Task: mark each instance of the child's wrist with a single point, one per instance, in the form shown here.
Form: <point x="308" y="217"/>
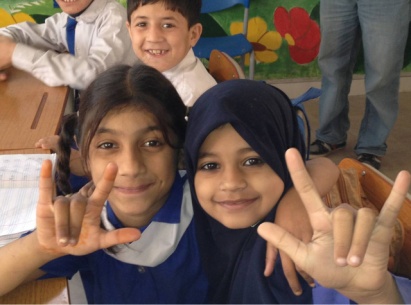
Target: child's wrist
<point x="388" y="294"/>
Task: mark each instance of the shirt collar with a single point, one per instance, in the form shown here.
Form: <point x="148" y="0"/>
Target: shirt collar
<point x="91" y="13"/>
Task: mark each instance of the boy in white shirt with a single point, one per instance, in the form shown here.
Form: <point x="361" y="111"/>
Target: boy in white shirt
<point x="163" y="34"/>
<point x="101" y="41"/>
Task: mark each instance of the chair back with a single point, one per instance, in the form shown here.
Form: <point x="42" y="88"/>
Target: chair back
<point x="232" y="45"/>
<point x="211" y="6"/>
<point x="222" y="67"/>
<point x="376" y="187"/>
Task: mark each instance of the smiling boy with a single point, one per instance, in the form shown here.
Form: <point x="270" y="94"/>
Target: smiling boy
<point x="163" y="33"/>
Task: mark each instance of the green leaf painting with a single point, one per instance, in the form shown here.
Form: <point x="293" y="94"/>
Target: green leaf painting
<point x="281" y="51"/>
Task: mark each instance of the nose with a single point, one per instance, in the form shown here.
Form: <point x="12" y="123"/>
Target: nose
<point x="131" y="162"/>
<point x="232" y="179"/>
<point x="154" y="34"/>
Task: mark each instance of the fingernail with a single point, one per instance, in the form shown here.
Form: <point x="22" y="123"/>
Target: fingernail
<point x="312" y="285"/>
<point x="72" y="241"/>
<point x="298" y="292"/>
<point x="63" y="240"/>
<point x="341" y="261"/>
<point x="355" y="260"/>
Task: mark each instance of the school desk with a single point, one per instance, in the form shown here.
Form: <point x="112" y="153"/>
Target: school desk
<point x="29" y="110"/>
<point x="49" y="291"/>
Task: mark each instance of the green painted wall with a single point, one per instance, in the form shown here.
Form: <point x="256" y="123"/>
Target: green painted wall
<point x="284" y="47"/>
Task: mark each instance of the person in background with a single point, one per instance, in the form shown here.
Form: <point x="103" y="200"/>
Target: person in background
<point x="237" y="136"/>
<point x="382" y="26"/>
<point x="100" y="41"/>
<point x="163" y="33"/>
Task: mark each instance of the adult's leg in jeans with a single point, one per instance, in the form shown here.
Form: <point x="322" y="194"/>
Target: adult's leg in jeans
<point x="340" y="38"/>
<point x="384" y="29"/>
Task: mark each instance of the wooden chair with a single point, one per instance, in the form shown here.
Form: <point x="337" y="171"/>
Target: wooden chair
<point x="233" y="45"/>
<point x="223" y="67"/>
<point x="374" y="190"/>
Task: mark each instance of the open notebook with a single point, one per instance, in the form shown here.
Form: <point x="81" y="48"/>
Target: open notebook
<point x="19" y="190"/>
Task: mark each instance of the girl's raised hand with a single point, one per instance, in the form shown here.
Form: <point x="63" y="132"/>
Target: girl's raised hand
<point x="349" y="249"/>
<point x="71" y="225"/>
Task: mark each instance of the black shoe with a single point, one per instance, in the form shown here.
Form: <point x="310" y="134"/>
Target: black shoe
<point x="320" y="148"/>
<point x="370" y="159"/>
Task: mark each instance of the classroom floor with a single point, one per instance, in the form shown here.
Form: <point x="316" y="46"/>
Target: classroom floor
<point x="398" y="154"/>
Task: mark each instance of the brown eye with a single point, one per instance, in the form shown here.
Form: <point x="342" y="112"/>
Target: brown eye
<point x="209" y="166"/>
<point x="106" y="145"/>
<point x="152" y="143"/>
<point x="254" y="161"/>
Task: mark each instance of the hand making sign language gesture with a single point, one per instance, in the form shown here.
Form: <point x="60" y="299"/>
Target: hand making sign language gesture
<point x="349" y="249"/>
<point x="73" y="225"/>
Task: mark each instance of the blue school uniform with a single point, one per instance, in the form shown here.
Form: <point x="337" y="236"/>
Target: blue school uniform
<point x="179" y="279"/>
<point x="234" y="259"/>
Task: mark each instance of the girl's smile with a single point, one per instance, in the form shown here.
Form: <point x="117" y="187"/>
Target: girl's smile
<point x="138" y="190"/>
<point x="236" y="204"/>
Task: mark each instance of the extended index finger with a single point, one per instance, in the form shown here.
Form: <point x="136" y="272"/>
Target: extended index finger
<point x="304" y="185"/>
<point x="395" y="200"/>
<point x="46" y="185"/>
<point x="102" y="189"/>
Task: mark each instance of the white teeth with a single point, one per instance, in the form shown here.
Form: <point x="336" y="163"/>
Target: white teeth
<point x="156" y="52"/>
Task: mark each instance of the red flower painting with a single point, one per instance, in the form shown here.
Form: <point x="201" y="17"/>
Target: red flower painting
<point x="300" y="31"/>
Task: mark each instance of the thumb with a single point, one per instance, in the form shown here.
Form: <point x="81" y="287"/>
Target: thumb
<point x="284" y="241"/>
<point x="119" y="236"/>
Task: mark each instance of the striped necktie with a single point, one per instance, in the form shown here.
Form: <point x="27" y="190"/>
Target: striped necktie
<point x="70" y="33"/>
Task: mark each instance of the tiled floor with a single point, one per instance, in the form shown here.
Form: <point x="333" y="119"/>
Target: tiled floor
<point x="398" y="155"/>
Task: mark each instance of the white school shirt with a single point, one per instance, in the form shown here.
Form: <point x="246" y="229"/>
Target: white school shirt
<point x="101" y="41"/>
<point x="190" y="78"/>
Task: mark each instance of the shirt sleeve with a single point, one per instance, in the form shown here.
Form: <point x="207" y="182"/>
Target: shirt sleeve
<point x="65" y="266"/>
<point x="42" y="49"/>
<point x="322" y="295"/>
<point x="404" y="286"/>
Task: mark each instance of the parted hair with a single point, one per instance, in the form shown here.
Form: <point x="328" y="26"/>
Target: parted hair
<point x="117" y="88"/>
<point x="190" y="9"/>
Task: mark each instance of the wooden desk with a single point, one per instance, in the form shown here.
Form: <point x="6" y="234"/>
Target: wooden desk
<point x="29" y="110"/>
<point x="24" y="151"/>
<point x="49" y="291"/>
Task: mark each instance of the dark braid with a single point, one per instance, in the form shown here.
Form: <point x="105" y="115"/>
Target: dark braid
<point x="68" y="131"/>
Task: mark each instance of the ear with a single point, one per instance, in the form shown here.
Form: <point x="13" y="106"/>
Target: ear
<point x="195" y="33"/>
<point x="128" y="28"/>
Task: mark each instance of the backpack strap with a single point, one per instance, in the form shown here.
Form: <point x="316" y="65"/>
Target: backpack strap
<point x="303" y="120"/>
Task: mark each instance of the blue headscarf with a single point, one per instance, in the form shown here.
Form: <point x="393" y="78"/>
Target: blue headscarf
<point x="234" y="260"/>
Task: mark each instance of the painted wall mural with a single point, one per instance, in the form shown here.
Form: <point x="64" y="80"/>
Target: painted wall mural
<point x="285" y="33"/>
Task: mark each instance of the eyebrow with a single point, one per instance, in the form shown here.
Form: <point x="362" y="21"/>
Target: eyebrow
<point x="148" y="129"/>
<point x="206" y="154"/>
<point x="166" y="18"/>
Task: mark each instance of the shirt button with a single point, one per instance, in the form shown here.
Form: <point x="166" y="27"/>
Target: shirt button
<point x="141" y="269"/>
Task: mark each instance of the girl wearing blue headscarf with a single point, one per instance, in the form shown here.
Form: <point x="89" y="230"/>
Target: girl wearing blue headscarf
<point x="238" y="134"/>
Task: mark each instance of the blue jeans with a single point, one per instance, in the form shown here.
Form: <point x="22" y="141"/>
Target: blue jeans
<point x="382" y="26"/>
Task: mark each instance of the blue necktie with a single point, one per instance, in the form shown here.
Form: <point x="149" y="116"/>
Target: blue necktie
<point x="70" y="32"/>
